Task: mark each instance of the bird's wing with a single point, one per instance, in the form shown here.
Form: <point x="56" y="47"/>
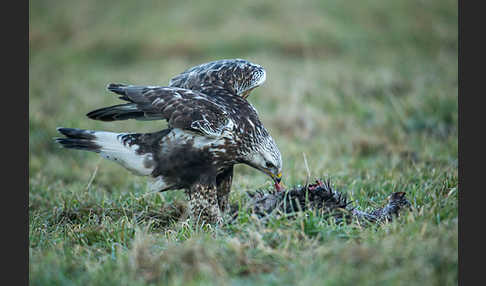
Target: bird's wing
<point x="182" y="108"/>
<point x="237" y="76"/>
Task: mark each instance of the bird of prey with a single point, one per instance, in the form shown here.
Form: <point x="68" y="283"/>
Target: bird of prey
<point x="211" y="127"/>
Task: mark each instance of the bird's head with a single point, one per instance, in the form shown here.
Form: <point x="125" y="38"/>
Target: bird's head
<point x="267" y="158"/>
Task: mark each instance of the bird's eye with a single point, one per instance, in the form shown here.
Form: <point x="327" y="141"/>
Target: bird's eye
<point x="270" y="165"/>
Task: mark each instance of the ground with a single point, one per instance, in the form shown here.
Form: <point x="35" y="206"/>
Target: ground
<point x="365" y="92"/>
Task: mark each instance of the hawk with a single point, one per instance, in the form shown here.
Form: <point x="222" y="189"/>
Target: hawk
<point x="211" y="127"/>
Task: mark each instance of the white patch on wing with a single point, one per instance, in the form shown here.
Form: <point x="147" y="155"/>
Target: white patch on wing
<point x="112" y="148"/>
<point x="228" y="129"/>
<point x="230" y="125"/>
<point x="130" y="107"/>
<point x="251" y="123"/>
<point x="179" y="136"/>
<point x="157" y="100"/>
<point x="254" y="109"/>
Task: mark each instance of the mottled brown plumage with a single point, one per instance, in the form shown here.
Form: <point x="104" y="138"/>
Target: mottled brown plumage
<point x="235" y="76"/>
<point x="211" y="127"/>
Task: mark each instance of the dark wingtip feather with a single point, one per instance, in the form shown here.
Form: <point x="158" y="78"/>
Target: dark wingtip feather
<point x="116" y="112"/>
<point x="100" y="114"/>
<point x="117" y="88"/>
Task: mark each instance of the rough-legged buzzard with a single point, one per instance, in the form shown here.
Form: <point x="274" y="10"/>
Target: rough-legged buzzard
<point x="211" y="127"/>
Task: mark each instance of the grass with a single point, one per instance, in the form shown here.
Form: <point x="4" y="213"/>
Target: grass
<point x="367" y="91"/>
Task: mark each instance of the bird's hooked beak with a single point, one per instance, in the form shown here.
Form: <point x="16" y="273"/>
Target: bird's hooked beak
<point x="277" y="179"/>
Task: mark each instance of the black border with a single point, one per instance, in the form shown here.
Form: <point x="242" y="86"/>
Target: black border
<point x="15" y="142"/>
<point x="471" y="121"/>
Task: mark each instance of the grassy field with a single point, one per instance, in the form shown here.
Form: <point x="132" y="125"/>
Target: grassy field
<point x="366" y="90"/>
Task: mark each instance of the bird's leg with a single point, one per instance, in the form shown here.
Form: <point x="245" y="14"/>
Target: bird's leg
<point x="203" y="202"/>
<point x="223" y="184"/>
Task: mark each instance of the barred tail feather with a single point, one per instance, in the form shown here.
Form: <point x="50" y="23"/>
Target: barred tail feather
<point x="78" y="139"/>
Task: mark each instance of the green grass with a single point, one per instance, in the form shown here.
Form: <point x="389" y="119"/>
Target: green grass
<point x="367" y="90"/>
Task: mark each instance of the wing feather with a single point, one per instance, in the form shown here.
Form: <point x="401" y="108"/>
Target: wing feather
<point x="236" y="76"/>
<point x="182" y="108"/>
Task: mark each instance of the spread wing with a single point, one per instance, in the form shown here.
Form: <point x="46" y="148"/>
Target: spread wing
<point x="182" y="108"/>
<point x="237" y="76"/>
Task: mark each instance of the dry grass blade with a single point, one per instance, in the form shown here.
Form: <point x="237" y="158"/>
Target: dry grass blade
<point x="93" y="175"/>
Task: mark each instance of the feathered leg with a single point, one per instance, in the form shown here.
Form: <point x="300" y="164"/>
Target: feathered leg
<point x="223" y="184"/>
<point x="203" y="202"/>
